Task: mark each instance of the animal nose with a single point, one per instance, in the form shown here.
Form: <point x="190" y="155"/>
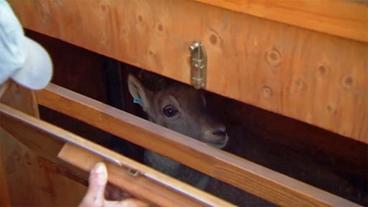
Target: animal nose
<point x="220" y="132"/>
<point x="219" y="137"/>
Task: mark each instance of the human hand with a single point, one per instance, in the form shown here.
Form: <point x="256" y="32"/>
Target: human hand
<point x="95" y="193"/>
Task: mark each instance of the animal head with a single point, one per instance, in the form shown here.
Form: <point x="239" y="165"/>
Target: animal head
<point x="180" y="108"/>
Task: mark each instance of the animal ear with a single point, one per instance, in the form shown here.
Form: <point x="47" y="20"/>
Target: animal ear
<point x="139" y="93"/>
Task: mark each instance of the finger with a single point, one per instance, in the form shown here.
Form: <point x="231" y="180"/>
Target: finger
<point x="97" y="183"/>
<point x="130" y="202"/>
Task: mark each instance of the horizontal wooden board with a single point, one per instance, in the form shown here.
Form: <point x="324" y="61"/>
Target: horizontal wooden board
<point x="310" y="76"/>
<point x="246" y="175"/>
<point x="176" y="193"/>
<point x="32" y="180"/>
<point x="345" y="18"/>
<point x="138" y="186"/>
<point x="23" y="152"/>
<point x="20" y="98"/>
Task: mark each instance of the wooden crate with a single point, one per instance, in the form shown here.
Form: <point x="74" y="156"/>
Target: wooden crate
<point x="301" y="60"/>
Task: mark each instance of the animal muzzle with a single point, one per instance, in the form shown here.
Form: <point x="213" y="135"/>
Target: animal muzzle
<point x="217" y="138"/>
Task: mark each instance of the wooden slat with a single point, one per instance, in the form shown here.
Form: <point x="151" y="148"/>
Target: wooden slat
<point x="187" y="196"/>
<point x="345" y="18"/>
<point x="24" y="100"/>
<point x="20" y="98"/>
<point x="138" y="186"/>
<point x="28" y="181"/>
<point x="241" y="173"/>
<point x="309" y="76"/>
<point x="37" y="142"/>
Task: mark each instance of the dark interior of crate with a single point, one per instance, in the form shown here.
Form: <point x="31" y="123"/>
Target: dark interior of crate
<point x="326" y="160"/>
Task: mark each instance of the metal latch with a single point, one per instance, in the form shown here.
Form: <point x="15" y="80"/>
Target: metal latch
<point x="198" y="62"/>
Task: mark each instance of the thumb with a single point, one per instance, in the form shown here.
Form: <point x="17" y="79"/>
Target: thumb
<point x="97" y="183"/>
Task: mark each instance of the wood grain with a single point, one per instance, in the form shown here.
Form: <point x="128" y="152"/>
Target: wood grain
<point x="139" y="186"/>
<point x="13" y="120"/>
<point x="20" y="98"/>
<point x="4" y="190"/>
<point x="246" y="175"/>
<point x="29" y="180"/>
<point x="337" y="17"/>
<point x="309" y="76"/>
<point x="24" y="100"/>
<point x="34" y="140"/>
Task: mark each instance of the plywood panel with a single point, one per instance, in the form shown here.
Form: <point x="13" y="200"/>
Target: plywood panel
<point x="345" y="18"/>
<point x="309" y="76"/>
<point x="246" y="175"/>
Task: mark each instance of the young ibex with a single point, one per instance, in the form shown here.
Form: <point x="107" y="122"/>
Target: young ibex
<point x="182" y="109"/>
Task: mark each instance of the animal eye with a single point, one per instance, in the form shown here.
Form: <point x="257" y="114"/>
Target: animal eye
<point x="169" y="110"/>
